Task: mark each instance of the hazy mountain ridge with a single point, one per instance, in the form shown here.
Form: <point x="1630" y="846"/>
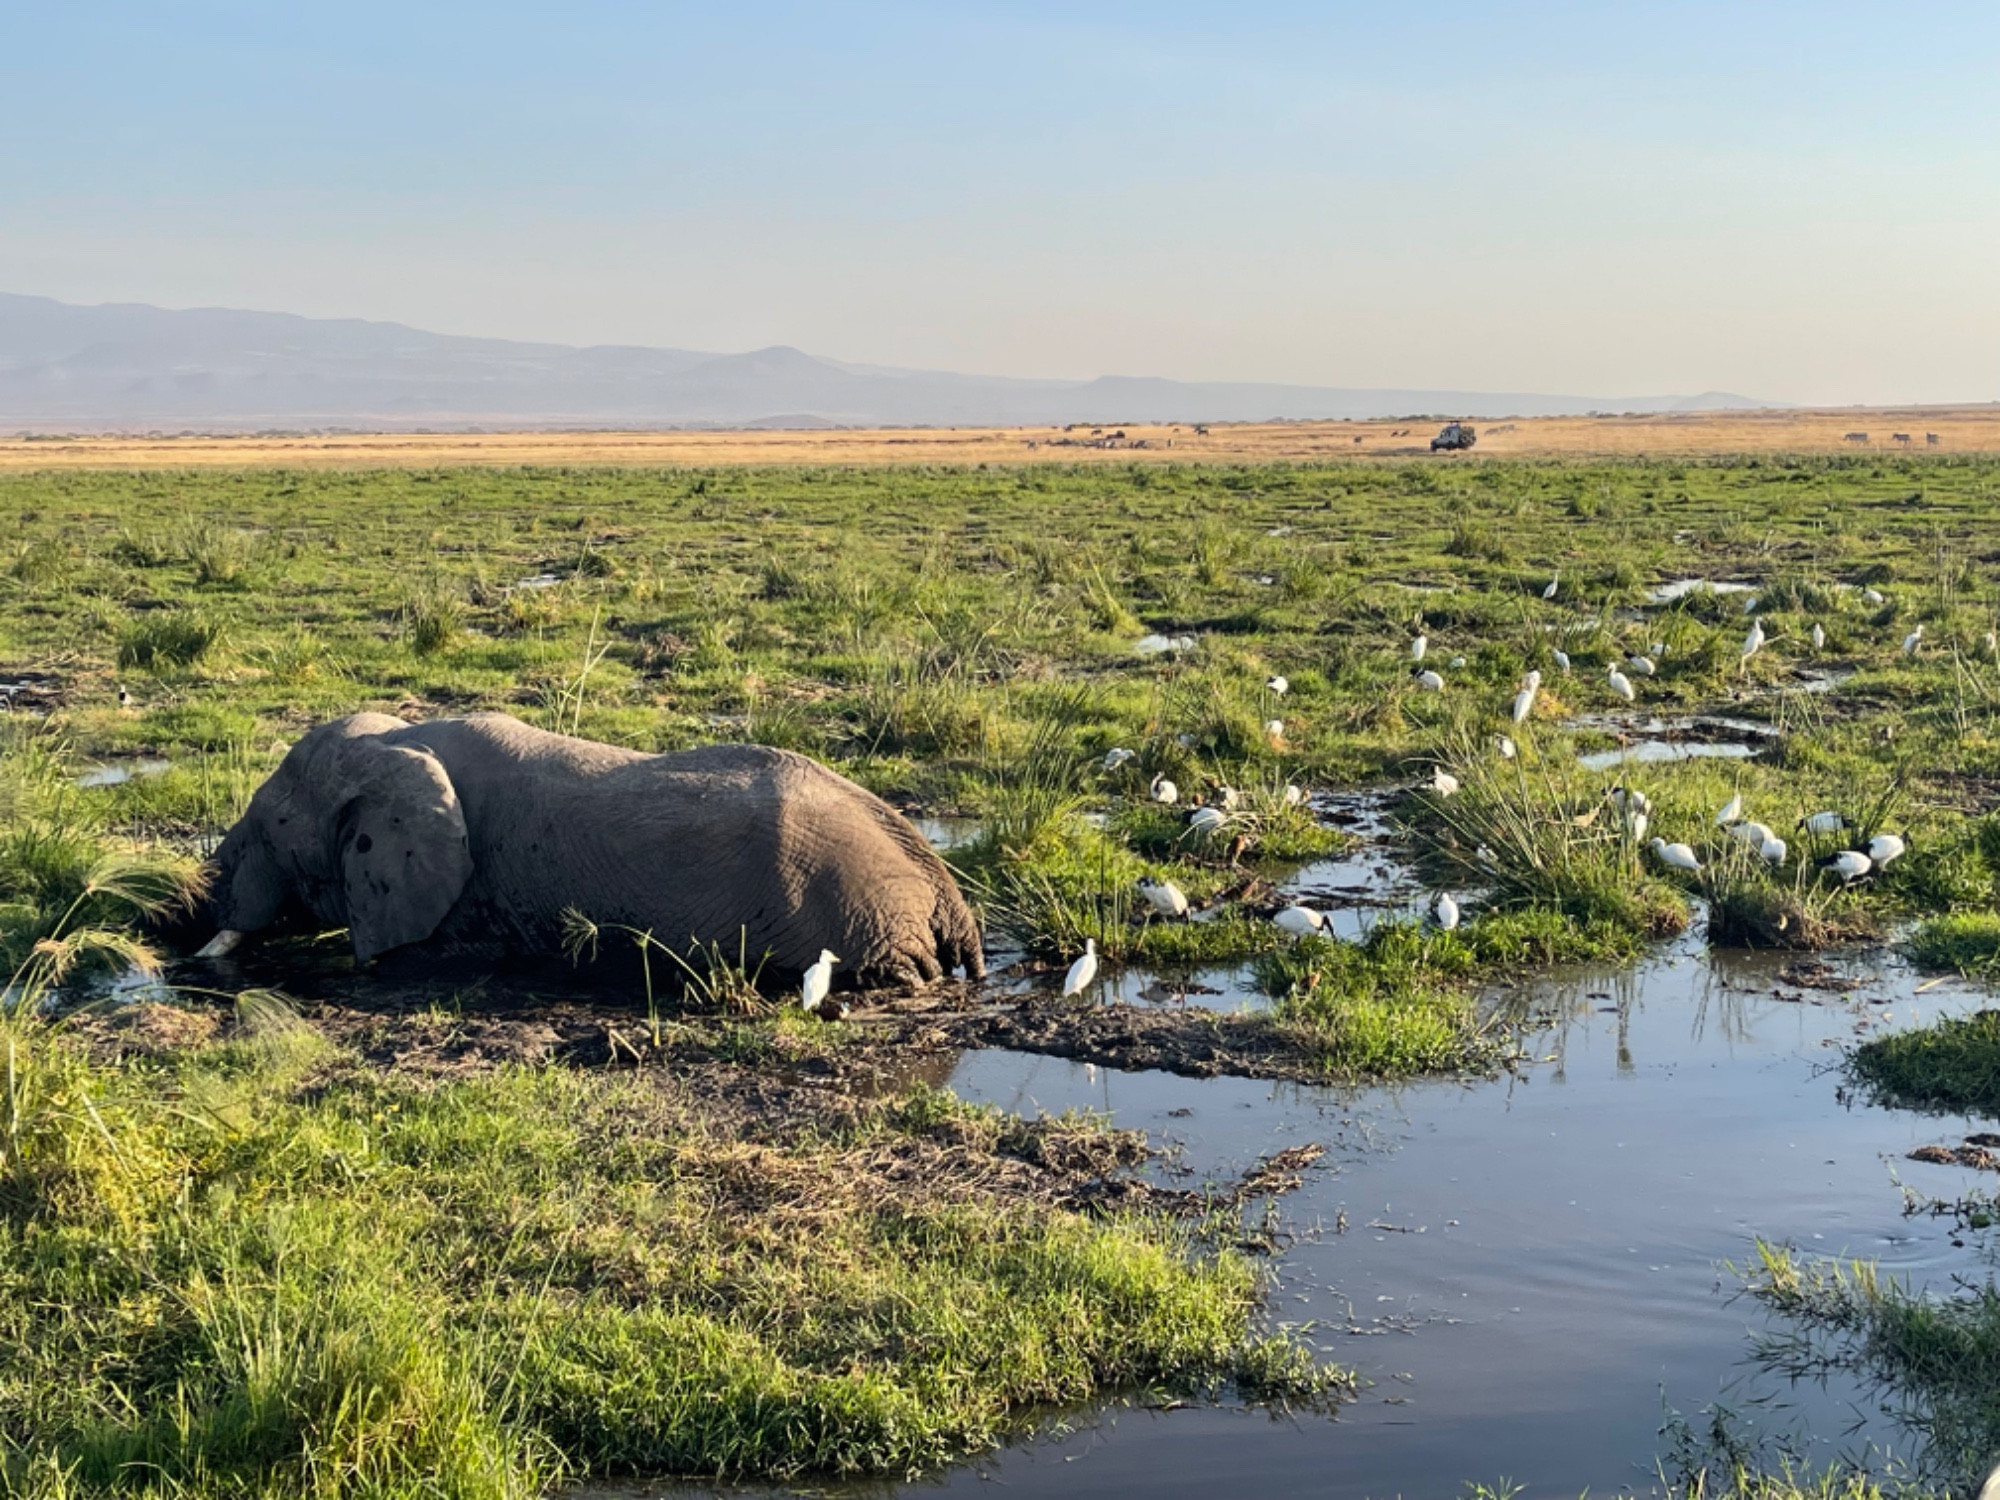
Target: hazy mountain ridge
<point x="124" y="365"/>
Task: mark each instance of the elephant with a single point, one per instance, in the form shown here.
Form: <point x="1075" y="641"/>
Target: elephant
<point x="472" y="837"/>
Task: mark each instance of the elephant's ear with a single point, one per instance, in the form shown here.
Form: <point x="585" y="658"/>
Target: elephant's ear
<point x="402" y="845"/>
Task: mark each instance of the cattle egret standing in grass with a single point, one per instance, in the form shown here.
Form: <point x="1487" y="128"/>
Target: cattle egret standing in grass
<point x="1294" y="795"/>
<point x="1277" y="685"/>
<point x="1506" y="746"/>
<point x="1116" y="757"/>
<point x="818" y="981"/>
<point x="1640" y="666"/>
<point x="1675" y="856"/>
<point x="1754" y="641"/>
<point x="1873" y="596"/>
<point x="1164" y="791"/>
<point x="1166" y="898"/>
<point x="1532" y="678"/>
<point x="1524" y="704"/>
<point x="1300" y="921"/>
<point x="1419" y="646"/>
<point x="1913" y="640"/>
<point x="1774" y="850"/>
<point x="1082" y="971"/>
<point x="1818" y="636"/>
<point x="1732" y="810"/>
<point x="1822" y="824"/>
<point x="1750" y="605"/>
<point x="1447" y="912"/>
<point x="1443" y="782"/>
<point x="1554" y="583"/>
<point x="1562" y="661"/>
<point x="1428" y="680"/>
<point x="1885" y="847"/>
<point x="1849" y="864"/>
<point x="1621" y="685"/>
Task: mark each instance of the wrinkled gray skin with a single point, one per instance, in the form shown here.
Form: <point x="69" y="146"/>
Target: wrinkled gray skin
<point x="471" y="836"/>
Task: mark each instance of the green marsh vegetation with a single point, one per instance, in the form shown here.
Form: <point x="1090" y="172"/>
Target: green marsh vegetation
<point x="285" y="1270"/>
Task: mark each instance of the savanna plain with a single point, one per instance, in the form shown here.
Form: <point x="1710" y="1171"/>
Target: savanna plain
<point x="283" y="1227"/>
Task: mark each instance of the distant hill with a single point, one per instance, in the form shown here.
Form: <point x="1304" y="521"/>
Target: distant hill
<point x="126" y="366"/>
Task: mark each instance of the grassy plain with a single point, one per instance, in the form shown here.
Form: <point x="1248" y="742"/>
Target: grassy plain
<point x="965" y="642"/>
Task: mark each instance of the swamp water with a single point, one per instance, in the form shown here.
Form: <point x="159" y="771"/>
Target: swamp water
<point x="1528" y="1272"/>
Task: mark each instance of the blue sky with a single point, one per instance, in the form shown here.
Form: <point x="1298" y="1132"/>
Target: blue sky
<point x="1794" y="201"/>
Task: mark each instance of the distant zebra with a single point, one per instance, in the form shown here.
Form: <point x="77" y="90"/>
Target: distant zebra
<point x="1901" y="437"/>
<point x="1931" y="439"/>
<point x="1855" y="437"/>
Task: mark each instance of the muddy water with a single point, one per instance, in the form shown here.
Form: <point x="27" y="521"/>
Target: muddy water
<point x="1528" y="1271"/>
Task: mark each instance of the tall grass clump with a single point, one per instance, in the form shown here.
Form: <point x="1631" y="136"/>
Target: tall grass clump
<point x="1952" y="1064"/>
<point x="1968" y="942"/>
<point x="168" y="639"/>
<point x="430" y="618"/>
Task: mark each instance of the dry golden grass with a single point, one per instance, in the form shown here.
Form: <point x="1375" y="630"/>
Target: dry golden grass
<point x="1959" y="429"/>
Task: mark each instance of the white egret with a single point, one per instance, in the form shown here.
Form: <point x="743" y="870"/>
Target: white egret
<point x="1873" y="596"/>
<point x="1274" y="729"/>
<point x="1562" y="661"/>
<point x="1774" y="850"/>
<point x="1294" y="795"/>
<point x="1506" y="746"/>
<point x="1818" y="636"/>
<point x="1532" y="678"/>
<point x="1277" y="685"/>
<point x="1554" y="583"/>
<point x="1419" y="646"/>
<point x="1443" y="782"/>
<point x="1913" y="640"/>
<point x="1524" y="704"/>
<point x="1116" y="757"/>
<point x="1675" y="856"/>
<point x="1166" y="898"/>
<point x="1750" y="605"/>
<point x="1754" y="641"/>
<point x="1164" y="791"/>
<point x="818" y="981"/>
<point x="1640" y="666"/>
<point x="1082" y="971"/>
<point x="1732" y="810"/>
<point x="1621" y="685"/>
<point x="1446" y="911"/>
<point x="1849" y="864"/>
<point x="1457" y="664"/>
<point x="1300" y="921"/>
<point x="1821" y="824"/>
<point x="1428" y="680"/>
<point x="1885" y="847"/>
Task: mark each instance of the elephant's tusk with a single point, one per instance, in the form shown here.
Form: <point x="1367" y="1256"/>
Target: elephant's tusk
<point x="222" y="944"/>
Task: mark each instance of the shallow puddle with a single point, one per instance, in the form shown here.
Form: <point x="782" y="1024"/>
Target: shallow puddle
<point x="1528" y="1270"/>
<point x="1653" y="752"/>
<point x="1680" y="588"/>
<point x="118" y="772"/>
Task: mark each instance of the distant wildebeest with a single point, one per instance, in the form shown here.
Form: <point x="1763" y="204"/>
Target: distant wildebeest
<point x="1900" y="437"/>
<point x="1931" y="439"/>
<point x="1855" y="437"/>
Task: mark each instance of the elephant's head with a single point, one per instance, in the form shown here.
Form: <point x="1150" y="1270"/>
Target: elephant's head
<point x="358" y="830"/>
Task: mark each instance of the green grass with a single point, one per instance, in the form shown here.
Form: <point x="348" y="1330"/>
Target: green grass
<point x="255" y="1268"/>
<point x="1968" y="942"/>
<point x="1951" y="1064"/>
<point x="1938" y="1353"/>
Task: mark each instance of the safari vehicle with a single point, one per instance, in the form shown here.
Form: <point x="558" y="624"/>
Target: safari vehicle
<point x="1456" y="437"/>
